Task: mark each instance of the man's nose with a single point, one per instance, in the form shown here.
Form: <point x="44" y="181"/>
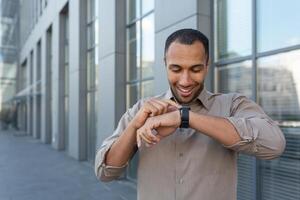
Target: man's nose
<point x="185" y="79"/>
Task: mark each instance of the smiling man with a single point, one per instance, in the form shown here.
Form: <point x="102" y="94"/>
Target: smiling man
<point x="188" y="138"/>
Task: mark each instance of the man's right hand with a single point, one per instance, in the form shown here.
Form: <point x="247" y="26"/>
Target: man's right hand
<point x="153" y="107"/>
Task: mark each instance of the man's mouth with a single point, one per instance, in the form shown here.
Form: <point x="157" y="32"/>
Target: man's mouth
<point x="185" y="92"/>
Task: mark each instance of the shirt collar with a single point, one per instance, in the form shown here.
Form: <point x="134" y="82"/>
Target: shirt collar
<point x="204" y="97"/>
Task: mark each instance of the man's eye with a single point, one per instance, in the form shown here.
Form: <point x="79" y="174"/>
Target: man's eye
<point x="196" y="70"/>
<point x="175" y="70"/>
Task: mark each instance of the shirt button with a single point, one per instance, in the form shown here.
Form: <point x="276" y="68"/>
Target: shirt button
<point x="181" y="181"/>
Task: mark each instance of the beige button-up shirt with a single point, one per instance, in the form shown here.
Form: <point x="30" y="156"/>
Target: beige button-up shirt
<point x="189" y="165"/>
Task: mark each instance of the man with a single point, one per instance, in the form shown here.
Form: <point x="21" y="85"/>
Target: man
<point x="188" y="149"/>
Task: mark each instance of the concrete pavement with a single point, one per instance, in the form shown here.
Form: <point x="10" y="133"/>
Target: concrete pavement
<point x="30" y="170"/>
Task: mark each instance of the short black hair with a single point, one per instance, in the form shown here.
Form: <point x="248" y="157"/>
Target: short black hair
<point x="188" y="36"/>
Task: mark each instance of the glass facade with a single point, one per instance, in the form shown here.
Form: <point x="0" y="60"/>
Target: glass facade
<point x="140" y="56"/>
<point x="261" y="59"/>
<point x="278" y="30"/>
<point x="140" y="50"/>
<point x="9" y="36"/>
<point x="66" y="71"/>
<point x="278" y="94"/>
<point x="236" y="77"/>
<point x="233" y="32"/>
<point x="49" y="69"/>
<point x="92" y="63"/>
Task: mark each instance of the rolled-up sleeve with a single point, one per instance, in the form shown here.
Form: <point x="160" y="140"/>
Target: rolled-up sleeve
<point x="260" y="135"/>
<point x="105" y="172"/>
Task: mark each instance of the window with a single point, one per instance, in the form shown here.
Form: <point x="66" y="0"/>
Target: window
<point x="233" y="37"/>
<point x="92" y="64"/>
<point x="278" y="24"/>
<point x="236" y="77"/>
<point x="261" y="60"/>
<point x="64" y="17"/>
<point x="278" y="92"/>
<point x="49" y="75"/>
<point x="140" y="50"/>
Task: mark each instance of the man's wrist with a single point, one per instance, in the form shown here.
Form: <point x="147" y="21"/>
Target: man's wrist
<point x="133" y="125"/>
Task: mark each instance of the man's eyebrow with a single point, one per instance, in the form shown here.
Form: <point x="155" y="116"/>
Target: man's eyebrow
<point x="174" y="65"/>
<point x="196" y="65"/>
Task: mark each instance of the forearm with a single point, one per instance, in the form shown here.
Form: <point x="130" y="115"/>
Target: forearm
<point x="123" y="149"/>
<point x="217" y="128"/>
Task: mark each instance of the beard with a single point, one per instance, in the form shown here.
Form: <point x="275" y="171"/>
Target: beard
<point x="186" y="100"/>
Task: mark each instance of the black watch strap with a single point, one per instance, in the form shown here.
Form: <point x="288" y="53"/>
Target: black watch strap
<point x="184" y="115"/>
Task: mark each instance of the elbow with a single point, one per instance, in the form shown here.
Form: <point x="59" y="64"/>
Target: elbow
<point x="277" y="148"/>
<point x="281" y="143"/>
<point x="100" y="174"/>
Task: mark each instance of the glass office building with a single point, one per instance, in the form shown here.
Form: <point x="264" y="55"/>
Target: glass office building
<point x="82" y="64"/>
<point x="256" y="52"/>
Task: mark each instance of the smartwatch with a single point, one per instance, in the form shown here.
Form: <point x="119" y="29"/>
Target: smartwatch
<point x="184" y="115"/>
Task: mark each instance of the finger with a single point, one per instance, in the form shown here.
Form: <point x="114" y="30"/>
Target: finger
<point x="151" y="136"/>
<point x="144" y="138"/>
<point x="163" y="105"/>
<point x="148" y="108"/>
<point x="172" y="103"/>
<point x="152" y="108"/>
<point x="160" y="107"/>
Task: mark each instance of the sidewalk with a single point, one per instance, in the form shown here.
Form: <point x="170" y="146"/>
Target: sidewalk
<point x="30" y="170"/>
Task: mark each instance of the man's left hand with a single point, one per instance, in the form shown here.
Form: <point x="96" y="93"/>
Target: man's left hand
<point x="158" y="127"/>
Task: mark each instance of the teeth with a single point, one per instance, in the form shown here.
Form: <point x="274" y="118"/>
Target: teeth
<point x="184" y="90"/>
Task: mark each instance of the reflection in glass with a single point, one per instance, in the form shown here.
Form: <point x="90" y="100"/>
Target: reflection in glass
<point x="279" y="85"/>
<point x="90" y="10"/>
<point x="133" y="8"/>
<point x="280" y="178"/>
<point x="90" y="36"/>
<point x="278" y="91"/>
<point x="91" y="124"/>
<point x="133" y="52"/>
<point x="234" y="30"/>
<point x="91" y="75"/>
<point x="246" y="177"/>
<point x="278" y="24"/>
<point x="91" y="70"/>
<point x="132" y="96"/>
<point x="148" y="46"/>
<point x="236" y="78"/>
<point x="66" y="77"/>
<point x="147" y="88"/>
<point x="66" y="122"/>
